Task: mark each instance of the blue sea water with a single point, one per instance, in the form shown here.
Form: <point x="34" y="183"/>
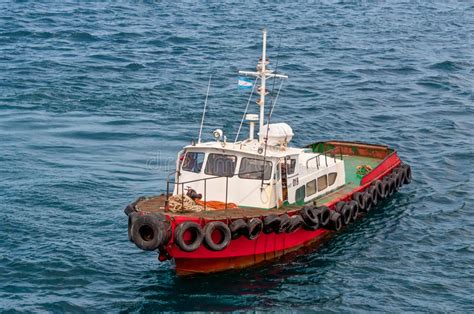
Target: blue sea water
<point x="96" y="99"/>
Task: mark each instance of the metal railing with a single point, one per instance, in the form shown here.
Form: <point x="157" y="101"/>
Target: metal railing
<point x="182" y="184"/>
<point x="331" y="152"/>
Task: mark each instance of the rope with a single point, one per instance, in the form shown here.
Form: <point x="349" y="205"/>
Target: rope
<point x="180" y="203"/>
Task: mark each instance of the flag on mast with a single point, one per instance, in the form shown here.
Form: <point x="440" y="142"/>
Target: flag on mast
<point x="245" y="82"/>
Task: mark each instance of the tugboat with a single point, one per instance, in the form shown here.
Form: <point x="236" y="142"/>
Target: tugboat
<point x="230" y="205"/>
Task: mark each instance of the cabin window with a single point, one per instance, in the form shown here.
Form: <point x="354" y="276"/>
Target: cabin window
<point x="332" y="178"/>
<point x="291" y="165"/>
<point x="311" y="187"/>
<point x="322" y="182"/>
<point x="193" y="162"/>
<point x="220" y="165"/>
<point x="299" y="195"/>
<point x="251" y="168"/>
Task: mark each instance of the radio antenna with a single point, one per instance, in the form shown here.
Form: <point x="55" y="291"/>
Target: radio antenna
<point x="204" y="110"/>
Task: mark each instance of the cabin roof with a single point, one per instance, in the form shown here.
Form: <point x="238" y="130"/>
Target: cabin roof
<point x="249" y="147"/>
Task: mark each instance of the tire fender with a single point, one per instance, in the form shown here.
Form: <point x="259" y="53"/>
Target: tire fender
<point x="271" y="223"/>
<point x="284" y="223"/>
<point x="359" y="198"/>
<point x="225" y="235"/>
<point x="309" y="216"/>
<point x="196" y="239"/>
<point x="324" y="215"/>
<point x="238" y="228"/>
<point x="255" y="226"/>
<point x="150" y="231"/>
<point x="335" y="220"/>
<point x="354" y="209"/>
<point x="295" y="223"/>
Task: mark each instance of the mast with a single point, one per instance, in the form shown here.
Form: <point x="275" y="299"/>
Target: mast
<point x="263" y="73"/>
<point x="263" y="85"/>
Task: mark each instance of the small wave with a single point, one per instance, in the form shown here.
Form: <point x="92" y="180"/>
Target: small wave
<point x="446" y="66"/>
<point x="179" y="40"/>
<point x="83" y="36"/>
<point x="135" y="66"/>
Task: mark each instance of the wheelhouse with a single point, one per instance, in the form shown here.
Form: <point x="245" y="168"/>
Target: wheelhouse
<point x="239" y="174"/>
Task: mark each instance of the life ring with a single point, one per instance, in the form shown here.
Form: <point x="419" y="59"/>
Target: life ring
<point x="150" y="231"/>
<point x="359" y="198"/>
<point x="271" y="223"/>
<point x="238" y="228"/>
<point x="310" y="217"/>
<point x="255" y="226"/>
<point x="367" y="196"/>
<point x="224" y="237"/>
<point x="323" y="215"/>
<point x="284" y="223"/>
<point x="195" y="239"/>
<point x="335" y="220"/>
<point x="295" y="223"/>
<point x="353" y="205"/>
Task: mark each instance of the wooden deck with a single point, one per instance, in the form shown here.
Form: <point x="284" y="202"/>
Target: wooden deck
<point x="156" y="204"/>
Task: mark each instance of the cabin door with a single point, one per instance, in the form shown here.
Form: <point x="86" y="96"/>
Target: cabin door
<point x="281" y="183"/>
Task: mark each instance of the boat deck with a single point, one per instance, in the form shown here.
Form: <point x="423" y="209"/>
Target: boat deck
<point x="156" y="204"/>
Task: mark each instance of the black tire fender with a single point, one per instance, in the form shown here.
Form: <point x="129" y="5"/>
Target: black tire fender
<point x="391" y="185"/>
<point x="368" y="201"/>
<point x="284" y="223"/>
<point x="339" y="206"/>
<point x="197" y="236"/>
<point x="310" y="216"/>
<point x="271" y="223"/>
<point x="324" y="215"/>
<point x="359" y="198"/>
<point x="238" y="228"/>
<point x="132" y="217"/>
<point x="346" y="214"/>
<point x="385" y="188"/>
<point x="379" y="188"/>
<point x="225" y="237"/>
<point x="295" y="223"/>
<point x="255" y="226"/>
<point x="335" y="220"/>
<point x="375" y="195"/>
<point x="407" y="170"/>
<point x="396" y="180"/>
<point x="150" y="232"/>
<point x="354" y="209"/>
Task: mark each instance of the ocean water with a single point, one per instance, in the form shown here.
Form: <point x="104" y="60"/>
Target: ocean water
<point x="96" y="99"/>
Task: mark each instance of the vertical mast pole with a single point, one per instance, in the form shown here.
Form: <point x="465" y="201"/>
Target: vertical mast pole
<point x="263" y="87"/>
<point x="204" y="110"/>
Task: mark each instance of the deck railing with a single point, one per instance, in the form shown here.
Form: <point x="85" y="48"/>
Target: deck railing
<point x="182" y="184"/>
<point x="332" y="154"/>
